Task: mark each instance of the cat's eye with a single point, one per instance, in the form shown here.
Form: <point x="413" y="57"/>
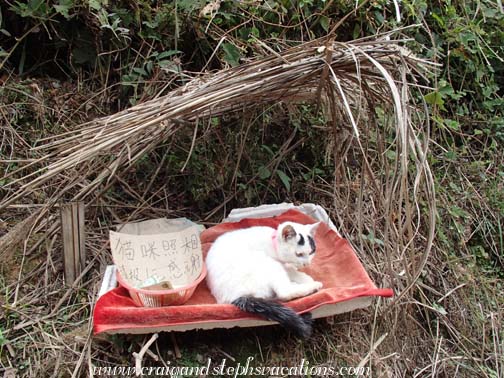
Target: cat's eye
<point x="299" y="254"/>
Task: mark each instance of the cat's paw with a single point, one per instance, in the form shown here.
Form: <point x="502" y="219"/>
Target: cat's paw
<point x="318" y="285"/>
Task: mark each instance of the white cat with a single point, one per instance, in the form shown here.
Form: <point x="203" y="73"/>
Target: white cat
<point x="252" y="268"/>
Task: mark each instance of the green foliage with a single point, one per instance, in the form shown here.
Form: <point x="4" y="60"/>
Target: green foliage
<point x="372" y="239"/>
<point x="3" y="339"/>
<point x="468" y="112"/>
<point x="232" y="54"/>
<point x="285" y="179"/>
<point x="468" y="38"/>
<point x="37" y="9"/>
<point x="94" y="31"/>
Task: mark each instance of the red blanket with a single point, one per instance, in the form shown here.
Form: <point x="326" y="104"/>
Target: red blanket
<point x="335" y="265"/>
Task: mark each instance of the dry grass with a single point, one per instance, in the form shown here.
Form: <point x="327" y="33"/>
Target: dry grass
<point x="384" y="205"/>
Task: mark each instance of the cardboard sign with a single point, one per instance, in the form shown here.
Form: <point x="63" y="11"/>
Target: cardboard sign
<point x="158" y="251"/>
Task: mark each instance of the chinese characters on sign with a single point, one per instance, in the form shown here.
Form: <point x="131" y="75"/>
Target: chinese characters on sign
<point x="174" y="257"/>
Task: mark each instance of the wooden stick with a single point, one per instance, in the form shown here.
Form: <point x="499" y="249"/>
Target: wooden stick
<point x="176" y="348"/>
<point x="138" y="356"/>
<point x="72" y="228"/>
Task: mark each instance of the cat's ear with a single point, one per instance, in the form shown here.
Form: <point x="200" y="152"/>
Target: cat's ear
<point x="288" y="232"/>
<point x="314" y="227"/>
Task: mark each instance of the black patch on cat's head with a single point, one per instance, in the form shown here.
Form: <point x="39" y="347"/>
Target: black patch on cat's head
<point x="301" y="240"/>
<point x="312" y="245"/>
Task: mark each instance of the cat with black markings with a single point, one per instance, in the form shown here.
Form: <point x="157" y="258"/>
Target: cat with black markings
<point x="256" y="267"/>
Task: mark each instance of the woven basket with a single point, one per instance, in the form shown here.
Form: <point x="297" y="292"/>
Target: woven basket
<point x="158" y="298"/>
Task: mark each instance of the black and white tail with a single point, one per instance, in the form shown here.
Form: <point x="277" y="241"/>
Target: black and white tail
<point x="271" y="310"/>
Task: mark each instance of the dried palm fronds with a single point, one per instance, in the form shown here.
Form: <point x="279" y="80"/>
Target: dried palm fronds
<point x="350" y="71"/>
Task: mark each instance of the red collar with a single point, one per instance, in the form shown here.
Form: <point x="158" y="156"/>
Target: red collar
<point x="274" y="240"/>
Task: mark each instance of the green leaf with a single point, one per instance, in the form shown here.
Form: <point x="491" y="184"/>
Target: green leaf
<point x="452" y="124"/>
<point x="466" y="37"/>
<point x="263" y="172"/>
<point x="227" y="16"/>
<point x="439" y="19"/>
<point x="129" y="80"/>
<point x="255" y="32"/>
<point x="457" y="212"/>
<point x="391" y="155"/>
<point x="96" y="4"/>
<point x="324" y="22"/>
<point x="33" y="8"/>
<point x="231" y="54"/>
<point x="64" y="7"/>
<point x="168" y="65"/>
<point x="3" y="340"/>
<point x="148" y="66"/>
<point x="372" y="239"/>
<point x="140" y="71"/>
<point x="439" y="308"/>
<point x="267" y="149"/>
<point x="434" y="98"/>
<point x="166" y="54"/>
<point x="285" y="179"/>
<point x="451" y="155"/>
<point x="35" y="5"/>
<point x="188" y="6"/>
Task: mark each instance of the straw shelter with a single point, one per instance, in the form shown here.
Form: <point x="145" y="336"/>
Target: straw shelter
<point x="368" y="88"/>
